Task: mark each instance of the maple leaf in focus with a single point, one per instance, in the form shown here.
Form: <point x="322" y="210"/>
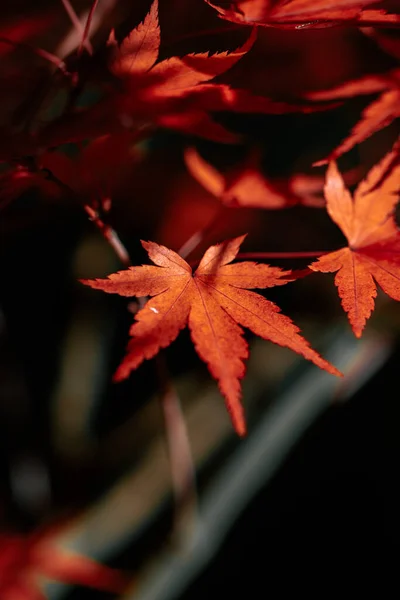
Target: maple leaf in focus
<point x="26" y="561"/>
<point x="213" y="302"/>
<point x="377" y="115"/>
<point x="304" y="14"/>
<point x="247" y="186"/>
<point x="373" y="252"/>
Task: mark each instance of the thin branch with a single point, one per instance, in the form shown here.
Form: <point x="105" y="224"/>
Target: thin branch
<point x="48" y="56"/>
<point x="273" y="255"/>
<point x="110" y="235"/>
<point x="180" y="455"/>
<point x="85" y="35"/>
<point x="76" y="22"/>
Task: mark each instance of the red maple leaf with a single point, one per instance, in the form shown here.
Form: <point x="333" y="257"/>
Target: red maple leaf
<point x="93" y="175"/>
<point x="302" y="14"/>
<point x="247" y="186"/>
<point x="380" y="113"/>
<point x="213" y="302"/>
<point x="176" y="93"/>
<point x="25" y="561"/>
<point x="373" y="252"/>
<point x="96" y="172"/>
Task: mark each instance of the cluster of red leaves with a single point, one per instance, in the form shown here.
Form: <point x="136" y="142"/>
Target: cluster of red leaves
<point x="213" y="300"/>
<point x="182" y="92"/>
<point x="141" y="90"/>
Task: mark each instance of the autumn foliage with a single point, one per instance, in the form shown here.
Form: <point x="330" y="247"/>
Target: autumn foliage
<point x="212" y="302"/>
<point x="87" y="121"/>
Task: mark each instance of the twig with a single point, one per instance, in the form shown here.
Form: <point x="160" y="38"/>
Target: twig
<point x="275" y="255"/>
<point x="77" y="24"/>
<point x="85" y="35"/>
<point x="110" y="235"/>
<point x="180" y="456"/>
<point x="52" y="58"/>
<point x="181" y="460"/>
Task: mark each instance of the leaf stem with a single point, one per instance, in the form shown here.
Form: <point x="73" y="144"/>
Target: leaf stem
<point x="179" y="451"/>
<point x="110" y="235"/>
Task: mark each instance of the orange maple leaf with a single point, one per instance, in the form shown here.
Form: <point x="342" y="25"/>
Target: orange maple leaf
<point x="373" y="253"/>
<point x="377" y="115"/>
<point x="302" y="14"/>
<point x="213" y="302"/>
<point x="25" y="561"/>
<point x="247" y="186"/>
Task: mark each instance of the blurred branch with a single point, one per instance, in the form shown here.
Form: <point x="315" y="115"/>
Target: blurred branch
<point x="180" y="457"/>
<point x="76" y="22"/>
<point x="85" y="34"/>
<point x="138" y="497"/>
<point x="252" y="465"/>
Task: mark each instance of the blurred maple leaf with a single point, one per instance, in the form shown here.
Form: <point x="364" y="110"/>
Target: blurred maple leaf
<point x="247" y="186"/>
<point x="16" y="32"/>
<point x="212" y="302"/>
<point x="303" y="14"/>
<point x="373" y="252"/>
<point x="93" y="175"/>
<point x="25" y="561"/>
<point x="377" y="115"/>
<point x="98" y="169"/>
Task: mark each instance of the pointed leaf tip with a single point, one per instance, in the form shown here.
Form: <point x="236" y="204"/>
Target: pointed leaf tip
<point x="215" y="304"/>
<point x="367" y="221"/>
